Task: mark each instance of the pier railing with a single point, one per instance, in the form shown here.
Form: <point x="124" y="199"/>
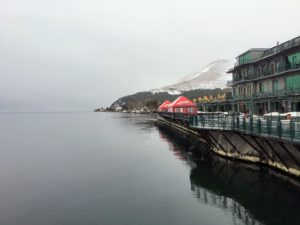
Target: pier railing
<point x="177" y="116"/>
<point x="269" y="126"/>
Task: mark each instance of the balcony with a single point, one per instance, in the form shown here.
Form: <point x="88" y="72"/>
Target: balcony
<point x="284" y="46"/>
<point x="248" y="77"/>
<point x="282" y="67"/>
<point x="273" y="94"/>
<point x="229" y="83"/>
<point x="267" y="72"/>
<point x="243" y="96"/>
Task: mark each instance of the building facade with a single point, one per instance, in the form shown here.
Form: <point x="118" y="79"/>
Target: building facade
<point x="267" y="80"/>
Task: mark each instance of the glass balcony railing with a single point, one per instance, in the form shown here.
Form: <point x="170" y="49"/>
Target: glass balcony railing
<point x="270" y="94"/>
<point x="268" y="72"/>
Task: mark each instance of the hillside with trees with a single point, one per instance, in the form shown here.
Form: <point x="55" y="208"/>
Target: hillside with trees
<point x="152" y="100"/>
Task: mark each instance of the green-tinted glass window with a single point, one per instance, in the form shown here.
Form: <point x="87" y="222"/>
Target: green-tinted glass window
<point x="294" y="60"/>
<point x="246" y="58"/>
<point x="293" y="82"/>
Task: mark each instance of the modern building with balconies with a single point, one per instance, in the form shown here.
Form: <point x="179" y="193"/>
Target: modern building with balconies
<point x="267" y="80"/>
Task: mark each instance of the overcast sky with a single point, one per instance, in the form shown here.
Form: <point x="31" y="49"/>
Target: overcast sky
<point x="83" y="54"/>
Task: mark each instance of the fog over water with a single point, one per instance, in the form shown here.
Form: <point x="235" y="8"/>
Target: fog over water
<point x="79" y="55"/>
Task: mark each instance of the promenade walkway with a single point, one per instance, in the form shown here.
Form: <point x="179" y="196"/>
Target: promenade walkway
<point x="267" y="126"/>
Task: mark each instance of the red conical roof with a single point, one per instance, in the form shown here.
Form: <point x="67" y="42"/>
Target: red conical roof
<point x="182" y="101"/>
<point x="164" y="105"/>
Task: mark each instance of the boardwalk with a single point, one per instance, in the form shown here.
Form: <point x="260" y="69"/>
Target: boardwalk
<point x="270" y="126"/>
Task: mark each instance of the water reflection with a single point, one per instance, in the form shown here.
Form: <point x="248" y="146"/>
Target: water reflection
<point x="249" y="194"/>
<point x="142" y="122"/>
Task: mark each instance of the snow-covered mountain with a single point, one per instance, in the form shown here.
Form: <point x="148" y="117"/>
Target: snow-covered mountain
<point x="213" y="75"/>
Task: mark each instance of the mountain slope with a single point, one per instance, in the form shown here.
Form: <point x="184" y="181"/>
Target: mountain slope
<point x="208" y="81"/>
<point x="213" y="75"/>
<point x="140" y="99"/>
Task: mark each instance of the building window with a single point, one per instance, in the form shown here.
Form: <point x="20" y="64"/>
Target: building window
<point x="293" y="61"/>
<point x="261" y="87"/>
<point x="243" y="72"/>
<point x="248" y="89"/>
<point x="272" y="68"/>
<point x="277" y="67"/>
<point x="275" y="85"/>
<point x="293" y="82"/>
<point x="240" y="90"/>
<point x="239" y="75"/>
<point x="259" y="71"/>
<point x="264" y="69"/>
<point x="248" y="73"/>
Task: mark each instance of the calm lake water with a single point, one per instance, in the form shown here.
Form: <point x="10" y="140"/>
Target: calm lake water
<point x="110" y="168"/>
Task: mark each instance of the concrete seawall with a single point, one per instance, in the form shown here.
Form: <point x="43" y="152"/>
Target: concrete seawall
<point x="272" y="153"/>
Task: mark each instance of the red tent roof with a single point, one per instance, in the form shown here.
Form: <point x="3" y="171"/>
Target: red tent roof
<point x="164" y="105"/>
<point x="182" y="101"/>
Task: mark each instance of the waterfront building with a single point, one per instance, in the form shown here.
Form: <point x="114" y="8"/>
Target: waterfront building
<point x="267" y="80"/>
<point x="183" y="105"/>
<point x="164" y="106"/>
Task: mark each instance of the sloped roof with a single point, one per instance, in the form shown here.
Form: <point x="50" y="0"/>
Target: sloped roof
<point x="164" y="105"/>
<point x="182" y="101"/>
